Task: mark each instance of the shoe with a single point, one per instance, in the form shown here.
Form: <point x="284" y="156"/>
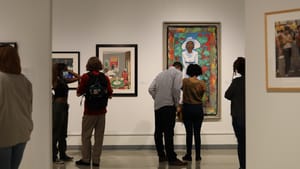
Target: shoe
<point x="198" y="158"/>
<point x="66" y="158"/>
<point x="162" y="159"/>
<point x="187" y="158"/>
<point x="96" y="164"/>
<point x="80" y="162"/>
<point x="177" y="162"/>
<point x="58" y="161"/>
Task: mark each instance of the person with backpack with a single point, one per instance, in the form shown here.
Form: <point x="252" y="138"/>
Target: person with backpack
<point x="96" y="88"/>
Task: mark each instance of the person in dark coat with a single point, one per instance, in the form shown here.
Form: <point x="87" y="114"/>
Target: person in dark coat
<point x="236" y="94"/>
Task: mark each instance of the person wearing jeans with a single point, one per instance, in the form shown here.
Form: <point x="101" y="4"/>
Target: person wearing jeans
<point x="16" y="96"/>
<point x="192" y="110"/>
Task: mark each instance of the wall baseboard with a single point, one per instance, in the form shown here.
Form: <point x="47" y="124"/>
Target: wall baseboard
<point x="152" y="147"/>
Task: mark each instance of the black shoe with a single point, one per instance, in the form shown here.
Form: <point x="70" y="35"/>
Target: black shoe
<point x="198" y="158"/>
<point x="80" y="162"/>
<point x="96" y="164"/>
<point x="187" y="158"/>
<point x="162" y="159"/>
<point x="66" y="158"/>
<point x="58" y="161"/>
<point x="177" y="162"/>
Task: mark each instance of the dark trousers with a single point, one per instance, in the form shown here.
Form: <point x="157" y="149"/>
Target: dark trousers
<point x="164" y="128"/>
<point x="59" y="128"/>
<point x="192" y="119"/>
<point x="240" y="133"/>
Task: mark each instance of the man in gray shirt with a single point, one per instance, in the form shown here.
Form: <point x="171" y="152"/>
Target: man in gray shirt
<point x="165" y="90"/>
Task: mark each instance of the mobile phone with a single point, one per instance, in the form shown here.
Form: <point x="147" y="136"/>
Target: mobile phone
<point x="67" y="75"/>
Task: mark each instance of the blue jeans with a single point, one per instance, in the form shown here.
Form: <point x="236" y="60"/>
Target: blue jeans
<point x="11" y="157"/>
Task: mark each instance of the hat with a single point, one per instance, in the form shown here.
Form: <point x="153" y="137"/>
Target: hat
<point x="196" y="43"/>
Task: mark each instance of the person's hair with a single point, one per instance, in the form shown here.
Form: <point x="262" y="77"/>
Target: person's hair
<point x="9" y="59"/>
<point x="178" y="65"/>
<point x="93" y="64"/>
<point x="239" y="66"/>
<point x="194" y="70"/>
<point x="57" y="69"/>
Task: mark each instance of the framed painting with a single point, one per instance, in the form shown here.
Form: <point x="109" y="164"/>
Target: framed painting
<point x="282" y="50"/>
<point x="205" y="51"/>
<point x="71" y="59"/>
<point x="120" y="65"/>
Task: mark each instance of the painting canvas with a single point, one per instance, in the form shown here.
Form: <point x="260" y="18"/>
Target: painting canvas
<point x="206" y="53"/>
<point x="71" y="59"/>
<point x="282" y="31"/>
<point x="120" y="65"/>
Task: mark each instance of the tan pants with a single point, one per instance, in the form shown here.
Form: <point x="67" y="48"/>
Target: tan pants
<point x="92" y="123"/>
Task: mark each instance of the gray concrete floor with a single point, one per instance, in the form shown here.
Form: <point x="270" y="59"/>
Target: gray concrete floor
<point x="147" y="159"/>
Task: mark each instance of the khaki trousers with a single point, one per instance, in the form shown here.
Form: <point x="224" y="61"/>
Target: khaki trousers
<point x="92" y="123"/>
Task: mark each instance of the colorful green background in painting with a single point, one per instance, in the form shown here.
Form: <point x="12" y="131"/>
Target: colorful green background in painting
<point x="207" y="58"/>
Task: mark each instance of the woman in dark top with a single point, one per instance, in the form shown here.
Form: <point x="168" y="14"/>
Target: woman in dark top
<point x="60" y="109"/>
<point x="236" y="94"/>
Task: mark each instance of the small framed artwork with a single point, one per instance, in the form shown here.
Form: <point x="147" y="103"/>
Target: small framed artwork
<point x="196" y="43"/>
<point x="120" y="65"/>
<point x="71" y="59"/>
<point x="282" y="50"/>
<point x="13" y="44"/>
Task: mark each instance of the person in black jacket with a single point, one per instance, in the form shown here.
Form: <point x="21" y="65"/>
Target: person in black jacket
<point x="236" y="94"/>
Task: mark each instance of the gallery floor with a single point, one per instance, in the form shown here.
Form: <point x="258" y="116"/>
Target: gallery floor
<point x="147" y="159"/>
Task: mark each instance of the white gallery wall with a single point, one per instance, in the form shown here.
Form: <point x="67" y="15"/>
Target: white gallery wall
<point x="273" y="135"/>
<point x="28" y="22"/>
<point x="272" y="118"/>
<point x="79" y="26"/>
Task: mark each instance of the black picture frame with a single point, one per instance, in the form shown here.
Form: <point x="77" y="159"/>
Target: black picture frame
<point x="120" y="65"/>
<point x="13" y="44"/>
<point x="71" y="59"/>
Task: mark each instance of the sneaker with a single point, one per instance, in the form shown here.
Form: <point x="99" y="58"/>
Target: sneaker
<point x="66" y="158"/>
<point x="187" y="158"/>
<point x="162" y="159"/>
<point x="177" y="162"/>
<point x="80" y="162"/>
